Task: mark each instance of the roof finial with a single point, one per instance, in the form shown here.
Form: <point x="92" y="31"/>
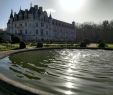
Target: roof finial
<point x="31" y="4"/>
<point x="50" y="16"/>
<point x="11" y="11"/>
<point x="20" y="8"/>
<point x="14" y="13"/>
<point x="11" y="15"/>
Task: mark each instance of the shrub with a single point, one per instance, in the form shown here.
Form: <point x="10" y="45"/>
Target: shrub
<point x="1" y="40"/>
<point x="102" y="45"/>
<point x="22" y="45"/>
<point x="83" y="44"/>
<point x="39" y="45"/>
<point x="15" y="39"/>
<point x="87" y="41"/>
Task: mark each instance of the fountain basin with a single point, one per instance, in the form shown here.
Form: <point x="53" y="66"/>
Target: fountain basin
<point x="60" y="71"/>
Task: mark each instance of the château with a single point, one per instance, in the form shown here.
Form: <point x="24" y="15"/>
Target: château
<point x="35" y="24"/>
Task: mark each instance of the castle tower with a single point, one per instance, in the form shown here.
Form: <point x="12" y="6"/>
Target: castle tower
<point x="30" y="4"/>
<point x="50" y="16"/>
<point x="73" y="23"/>
<point x="11" y="15"/>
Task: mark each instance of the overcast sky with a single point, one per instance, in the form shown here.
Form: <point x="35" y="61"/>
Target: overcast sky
<point x="93" y="10"/>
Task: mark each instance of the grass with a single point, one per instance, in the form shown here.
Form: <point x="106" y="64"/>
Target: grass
<point x="9" y="46"/>
<point x="59" y="45"/>
<point x="110" y="46"/>
<point x="95" y="45"/>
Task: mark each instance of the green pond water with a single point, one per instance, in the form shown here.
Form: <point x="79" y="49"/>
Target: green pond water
<point x="62" y="72"/>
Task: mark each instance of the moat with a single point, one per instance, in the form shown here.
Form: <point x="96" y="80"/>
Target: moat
<point x="62" y="72"/>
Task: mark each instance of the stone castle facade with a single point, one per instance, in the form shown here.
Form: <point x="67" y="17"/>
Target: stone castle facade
<point x="35" y="25"/>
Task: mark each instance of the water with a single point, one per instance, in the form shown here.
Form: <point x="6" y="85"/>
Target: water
<point x="63" y="72"/>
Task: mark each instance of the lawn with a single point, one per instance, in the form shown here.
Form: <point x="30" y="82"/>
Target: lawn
<point x="8" y="46"/>
<point x="110" y="46"/>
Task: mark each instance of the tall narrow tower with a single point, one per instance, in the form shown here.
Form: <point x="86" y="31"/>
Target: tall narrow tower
<point x="11" y="15"/>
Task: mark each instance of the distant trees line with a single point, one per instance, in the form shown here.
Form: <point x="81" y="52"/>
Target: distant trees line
<point x="95" y="32"/>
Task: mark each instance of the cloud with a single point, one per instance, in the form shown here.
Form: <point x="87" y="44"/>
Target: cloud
<point x="50" y="10"/>
<point x="34" y="1"/>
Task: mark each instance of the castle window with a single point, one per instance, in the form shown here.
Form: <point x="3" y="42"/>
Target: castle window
<point x="37" y="31"/>
<point x="44" y="18"/>
<point x="20" y="32"/>
<point x="25" y="31"/>
<point x="41" y="32"/>
<point x="25" y="24"/>
<point x="42" y="24"/>
<point x="21" y="25"/>
<point x="15" y="25"/>
<point x="59" y="24"/>
<point x="46" y="26"/>
<point x="36" y="24"/>
<point x="46" y="32"/>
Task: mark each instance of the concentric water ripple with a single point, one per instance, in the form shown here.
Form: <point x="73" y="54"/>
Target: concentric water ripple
<point x="63" y="72"/>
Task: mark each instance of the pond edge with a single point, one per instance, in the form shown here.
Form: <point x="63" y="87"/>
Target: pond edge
<point x="19" y="88"/>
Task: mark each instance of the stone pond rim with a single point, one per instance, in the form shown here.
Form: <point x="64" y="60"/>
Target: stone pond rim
<point x="19" y="88"/>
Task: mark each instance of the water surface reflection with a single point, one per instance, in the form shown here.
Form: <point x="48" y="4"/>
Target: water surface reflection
<point x="63" y="72"/>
